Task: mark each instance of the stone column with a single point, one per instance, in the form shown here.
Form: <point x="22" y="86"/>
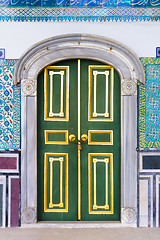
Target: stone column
<point x="129" y="153"/>
<point x="29" y="150"/>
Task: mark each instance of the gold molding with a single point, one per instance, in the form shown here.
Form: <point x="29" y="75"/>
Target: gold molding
<point x="51" y="160"/>
<point x="96" y="117"/>
<point x="95" y="114"/>
<point x="108" y="159"/>
<point x="65" y="142"/>
<point x="55" y="157"/>
<point x="95" y="161"/>
<point x="61" y="114"/>
<point x="79" y="144"/>
<point x="90" y="142"/>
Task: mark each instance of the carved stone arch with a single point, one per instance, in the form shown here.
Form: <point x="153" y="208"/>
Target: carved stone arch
<point x="73" y="47"/>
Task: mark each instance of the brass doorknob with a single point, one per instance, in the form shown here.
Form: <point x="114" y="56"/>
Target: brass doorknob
<point x="84" y="137"/>
<point x="72" y="138"/>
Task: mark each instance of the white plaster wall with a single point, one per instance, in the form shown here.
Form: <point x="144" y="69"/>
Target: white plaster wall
<point x="140" y="37"/>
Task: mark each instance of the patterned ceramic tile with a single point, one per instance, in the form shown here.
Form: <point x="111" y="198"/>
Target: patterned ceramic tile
<point x="149" y="105"/>
<point x="8" y="62"/>
<point x="85" y="10"/>
<point x="152" y="102"/>
<point x="83" y="3"/>
<point x="9" y="109"/>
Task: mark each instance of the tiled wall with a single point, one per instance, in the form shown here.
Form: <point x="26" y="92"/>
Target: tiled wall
<point x="149" y="145"/>
<point x="84" y="10"/>
<point x="149" y="105"/>
<point x="9" y="146"/>
<point x="148" y="138"/>
<point x="9" y="107"/>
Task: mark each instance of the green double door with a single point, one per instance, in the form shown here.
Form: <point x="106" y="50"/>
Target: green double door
<point x="78" y="114"/>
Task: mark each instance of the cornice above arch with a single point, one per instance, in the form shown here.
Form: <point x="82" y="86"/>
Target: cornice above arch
<point x="79" y="46"/>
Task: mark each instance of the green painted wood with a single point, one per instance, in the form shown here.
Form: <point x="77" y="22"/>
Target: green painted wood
<point x="115" y="149"/>
<point x="71" y="148"/>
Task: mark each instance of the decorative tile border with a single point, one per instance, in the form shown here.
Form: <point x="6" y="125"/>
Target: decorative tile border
<point x="8" y="62"/>
<point x="149" y="107"/>
<point x="80" y="3"/>
<point x="91" y="14"/>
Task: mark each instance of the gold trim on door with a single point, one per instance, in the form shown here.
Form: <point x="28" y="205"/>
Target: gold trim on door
<point x="93" y="115"/>
<point x="93" y="158"/>
<point x="47" y="132"/>
<point x="79" y="145"/>
<point x="48" y="164"/>
<point x="109" y="132"/>
<point x="61" y="116"/>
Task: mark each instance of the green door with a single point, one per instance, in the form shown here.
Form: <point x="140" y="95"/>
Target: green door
<point x="78" y="115"/>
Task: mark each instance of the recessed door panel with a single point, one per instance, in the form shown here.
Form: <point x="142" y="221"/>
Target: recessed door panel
<point x="57" y="158"/>
<point x="78" y="142"/>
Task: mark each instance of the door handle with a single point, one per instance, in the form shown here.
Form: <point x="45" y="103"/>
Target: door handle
<point x="84" y="137"/>
<point x="72" y="138"/>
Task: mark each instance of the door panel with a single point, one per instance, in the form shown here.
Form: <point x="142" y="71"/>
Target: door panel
<point x="100" y="183"/>
<point x="57" y="165"/>
<point x="100" y="157"/>
<point x="78" y="97"/>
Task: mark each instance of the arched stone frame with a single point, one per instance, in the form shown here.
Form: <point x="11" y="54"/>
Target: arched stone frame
<point x="69" y="47"/>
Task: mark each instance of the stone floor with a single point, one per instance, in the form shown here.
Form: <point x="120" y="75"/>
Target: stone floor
<point x="79" y="234"/>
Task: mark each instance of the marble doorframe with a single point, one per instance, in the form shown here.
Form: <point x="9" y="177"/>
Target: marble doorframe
<point x="88" y="47"/>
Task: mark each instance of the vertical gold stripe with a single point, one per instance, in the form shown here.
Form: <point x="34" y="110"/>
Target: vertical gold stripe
<point x="45" y="183"/>
<point x="61" y="110"/>
<point x="107" y="182"/>
<point x="89" y="181"/>
<point x="111" y="177"/>
<point x="95" y="183"/>
<point x="51" y="93"/>
<point x="95" y="93"/>
<point x="79" y="133"/>
<point x="61" y="181"/>
<point x="111" y="99"/>
<point x="51" y="177"/>
<point x="106" y="73"/>
<point x="66" y="199"/>
<point x="45" y="93"/>
<point x="89" y="93"/>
